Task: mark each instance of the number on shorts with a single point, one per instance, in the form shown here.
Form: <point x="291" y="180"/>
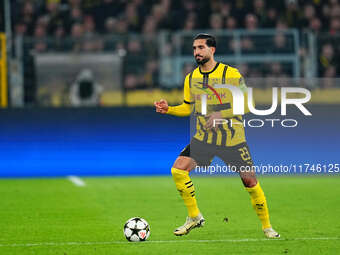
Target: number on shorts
<point x="244" y="153"/>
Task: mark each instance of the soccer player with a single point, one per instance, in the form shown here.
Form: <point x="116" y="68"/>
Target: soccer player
<point x="226" y="140"/>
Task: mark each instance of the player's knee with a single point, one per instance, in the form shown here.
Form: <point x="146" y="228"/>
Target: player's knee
<point x="183" y="163"/>
<point x="249" y="182"/>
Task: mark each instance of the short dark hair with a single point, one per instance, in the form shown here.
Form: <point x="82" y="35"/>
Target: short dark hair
<point x="210" y="40"/>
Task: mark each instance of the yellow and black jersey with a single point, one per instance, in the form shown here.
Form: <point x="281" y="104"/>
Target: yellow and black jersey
<point x="198" y="83"/>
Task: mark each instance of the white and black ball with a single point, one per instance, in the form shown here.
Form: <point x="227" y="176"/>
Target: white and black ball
<point x="136" y="229"/>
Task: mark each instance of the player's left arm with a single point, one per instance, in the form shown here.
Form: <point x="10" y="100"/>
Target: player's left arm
<point x="228" y="113"/>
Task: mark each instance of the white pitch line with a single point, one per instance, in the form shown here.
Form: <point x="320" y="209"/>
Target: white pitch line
<point x="76" y="181"/>
<point x="170" y="241"/>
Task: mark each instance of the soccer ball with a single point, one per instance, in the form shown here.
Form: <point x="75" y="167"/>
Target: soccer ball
<point x="136" y="230"/>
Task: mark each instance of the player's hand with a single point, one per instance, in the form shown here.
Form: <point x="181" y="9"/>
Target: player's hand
<point x="210" y="120"/>
<point x="161" y="106"/>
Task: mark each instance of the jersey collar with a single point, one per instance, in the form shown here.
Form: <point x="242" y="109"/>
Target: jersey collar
<point x="199" y="68"/>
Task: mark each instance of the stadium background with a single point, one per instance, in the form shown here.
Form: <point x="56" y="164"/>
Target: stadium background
<point x="67" y="116"/>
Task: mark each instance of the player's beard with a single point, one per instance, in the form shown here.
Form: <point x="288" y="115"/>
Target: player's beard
<point x="202" y="61"/>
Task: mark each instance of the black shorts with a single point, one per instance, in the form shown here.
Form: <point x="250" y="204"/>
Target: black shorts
<point x="204" y="153"/>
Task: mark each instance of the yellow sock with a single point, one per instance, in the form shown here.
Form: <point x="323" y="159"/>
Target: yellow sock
<point x="259" y="203"/>
<point x="186" y="189"/>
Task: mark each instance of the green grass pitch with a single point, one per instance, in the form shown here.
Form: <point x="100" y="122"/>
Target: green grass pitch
<point x="53" y="216"/>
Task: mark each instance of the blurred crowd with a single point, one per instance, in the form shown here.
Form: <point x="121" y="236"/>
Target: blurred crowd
<point x="130" y="27"/>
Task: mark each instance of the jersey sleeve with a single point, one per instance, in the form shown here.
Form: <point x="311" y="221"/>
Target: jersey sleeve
<point x="237" y="80"/>
<point x="187" y="95"/>
<point x="234" y="77"/>
<point x="183" y="109"/>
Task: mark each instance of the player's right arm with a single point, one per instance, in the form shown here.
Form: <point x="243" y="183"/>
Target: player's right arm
<point x="181" y="110"/>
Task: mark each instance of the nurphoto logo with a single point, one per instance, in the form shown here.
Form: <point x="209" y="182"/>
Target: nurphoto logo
<point x="238" y="106"/>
